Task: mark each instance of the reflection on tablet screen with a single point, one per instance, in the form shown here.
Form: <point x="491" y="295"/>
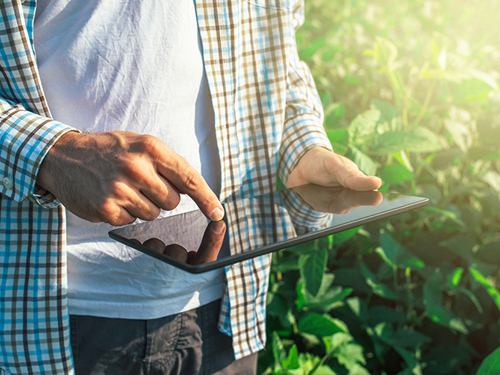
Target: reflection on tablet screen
<point x="259" y="225"/>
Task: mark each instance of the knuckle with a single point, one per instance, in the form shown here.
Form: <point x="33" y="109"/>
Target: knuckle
<point x="148" y="143"/>
<point x="116" y="189"/>
<point x="192" y="180"/>
<point x="108" y="212"/>
<point x="116" y="222"/>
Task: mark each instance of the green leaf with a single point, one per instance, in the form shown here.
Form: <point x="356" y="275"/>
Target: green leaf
<point x="339" y="148"/>
<point x="292" y="361"/>
<point x="387" y="111"/>
<point x="402" y="158"/>
<point x="447" y="213"/>
<point x="320" y="325"/>
<point x="392" y="249"/>
<point x="276" y="305"/>
<point x="483" y="77"/>
<point x="301" y="294"/>
<point x="393" y="253"/>
<point x="327" y="298"/>
<point x="455" y="277"/>
<point x="489" y="251"/>
<point x="362" y="130"/>
<point x="358" y="370"/>
<point x="491" y="364"/>
<point x="340" y="238"/>
<point x="448" y="359"/>
<point x="333" y="114"/>
<point x="308" y="362"/>
<point x="384" y="332"/>
<point x="278" y="350"/>
<point x="409" y="339"/>
<point x="433" y="300"/>
<point x="492" y="291"/>
<point x="349" y="354"/>
<point x="355" y="304"/>
<point x="363" y="161"/>
<point x="461" y="245"/>
<point x="286" y="264"/>
<point x="304" y="248"/>
<point x="432" y="142"/>
<point x="394" y="141"/>
<point x="493" y="179"/>
<point x="379" y="314"/>
<point x="386" y="53"/>
<point x="338" y="136"/>
<point x="446" y="318"/>
<point x="394" y="174"/>
<point x="324" y="370"/>
<point x="377" y="287"/>
<point x="326" y="242"/>
<point x="381" y="338"/>
<point x="407" y="260"/>
<point x="332" y="343"/>
<point x="433" y="295"/>
<point x="312" y="267"/>
<point x="410" y="360"/>
<point x="460" y="133"/>
<point x="339" y="140"/>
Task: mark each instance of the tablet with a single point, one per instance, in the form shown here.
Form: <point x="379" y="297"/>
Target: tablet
<point x="259" y="225"/>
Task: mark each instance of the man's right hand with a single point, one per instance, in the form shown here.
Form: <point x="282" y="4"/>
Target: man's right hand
<point x="116" y="177"/>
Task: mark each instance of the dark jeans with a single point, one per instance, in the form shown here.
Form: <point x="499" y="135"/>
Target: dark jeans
<point x="188" y="343"/>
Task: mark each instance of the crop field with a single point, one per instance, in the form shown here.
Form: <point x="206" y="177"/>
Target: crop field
<point x="411" y="93"/>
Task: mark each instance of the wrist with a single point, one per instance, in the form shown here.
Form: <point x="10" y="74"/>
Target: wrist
<point x="49" y="166"/>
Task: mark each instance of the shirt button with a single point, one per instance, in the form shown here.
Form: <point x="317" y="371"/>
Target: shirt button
<point x="8" y="183"/>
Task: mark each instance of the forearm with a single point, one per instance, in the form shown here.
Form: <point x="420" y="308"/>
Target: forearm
<point x="303" y="127"/>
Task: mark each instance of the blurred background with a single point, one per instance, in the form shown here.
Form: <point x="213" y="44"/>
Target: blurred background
<point x="411" y="94"/>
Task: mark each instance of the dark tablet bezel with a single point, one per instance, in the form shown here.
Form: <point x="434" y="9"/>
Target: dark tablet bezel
<point x="232" y="259"/>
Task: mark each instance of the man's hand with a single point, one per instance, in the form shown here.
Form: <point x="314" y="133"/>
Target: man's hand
<point x="322" y="167"/>
<point x="117" y="177"/>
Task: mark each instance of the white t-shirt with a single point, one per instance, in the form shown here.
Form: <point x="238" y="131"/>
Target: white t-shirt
<point x="129" y="65"/>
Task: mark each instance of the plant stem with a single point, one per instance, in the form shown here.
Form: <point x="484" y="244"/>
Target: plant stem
<point x="423" y="110"/>
<point x="409" y="292"/>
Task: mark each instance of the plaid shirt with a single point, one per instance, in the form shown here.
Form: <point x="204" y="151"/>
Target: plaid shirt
<point x="267" y="115"/>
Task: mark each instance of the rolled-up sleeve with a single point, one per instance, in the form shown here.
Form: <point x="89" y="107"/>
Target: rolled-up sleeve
<point x="303" y="128"/>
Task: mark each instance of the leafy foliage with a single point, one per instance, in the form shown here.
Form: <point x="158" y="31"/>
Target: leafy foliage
<point x="411" y="94"/>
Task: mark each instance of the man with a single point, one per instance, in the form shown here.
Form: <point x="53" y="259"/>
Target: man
<point x="249" y="112"/>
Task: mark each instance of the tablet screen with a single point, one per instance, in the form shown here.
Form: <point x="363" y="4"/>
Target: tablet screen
<point x="259" y="225"/>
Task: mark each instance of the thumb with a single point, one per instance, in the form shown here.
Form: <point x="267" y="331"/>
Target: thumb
<point x="348" y="175"/>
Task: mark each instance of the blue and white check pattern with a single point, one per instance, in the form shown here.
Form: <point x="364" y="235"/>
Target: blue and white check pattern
<point x="267" y="115"/>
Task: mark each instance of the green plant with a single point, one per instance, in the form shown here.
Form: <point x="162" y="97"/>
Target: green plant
<point x="410" y="91"/>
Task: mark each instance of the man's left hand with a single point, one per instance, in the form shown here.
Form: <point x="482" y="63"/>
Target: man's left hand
<point x="323" y="167"/>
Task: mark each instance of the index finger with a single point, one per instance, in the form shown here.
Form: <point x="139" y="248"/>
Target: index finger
<point x="189" y="181"/>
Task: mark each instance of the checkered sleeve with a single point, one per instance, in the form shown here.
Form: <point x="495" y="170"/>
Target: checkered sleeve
<point x="26" y="131"/>
<point x="303" y="128"/>
<point x="25" y="139"/>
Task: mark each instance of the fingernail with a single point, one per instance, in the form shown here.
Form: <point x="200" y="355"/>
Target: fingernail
<point x="217" y="214"/>
<point x="218" y="228"/>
